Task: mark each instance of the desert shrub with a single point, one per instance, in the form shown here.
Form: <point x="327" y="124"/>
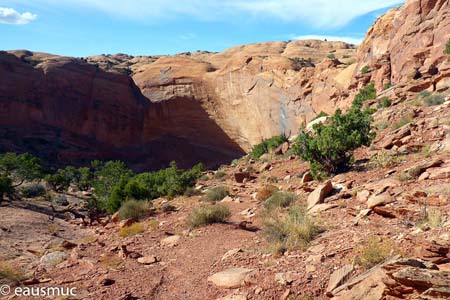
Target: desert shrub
<point x="267" y="191"/>
<point x="432" y="100"/>
<point x="215" y="194"/>
<point x="169" y="182"/>
<point x="367" y="93"/>
<point x="365" y="70"/>
<point x="388" y="85"/>
<point x="291" y="231"/>
<point x="374" y="252"/>
<point x="131" y="230"/>
<point x="33" y="190"/>
<point x="20" y="168"/>
<point x="385" y="102"/>
<point x="60" y="199"/>
<point x="329" y="149"/>
<point x="133" y="209"/>
<point x="219" y="175"/>
<point x="267" y="145"/>
<point x="402" y="122"/>
<point x="107" y="176"/>
<point x="191" y="191"/>
<point x="208" y="214"/>
<point x="383" y="159"/>
<point x="331" y="56"/>
<point x="10" y="273"/>
<point x="6" y="187"/>
<point x="279" y="200"/>
<point x="447" y="47"/>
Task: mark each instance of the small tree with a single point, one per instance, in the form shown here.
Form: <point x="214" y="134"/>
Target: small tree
<point x="20" y="168"/>
<point x="329" y="149"/>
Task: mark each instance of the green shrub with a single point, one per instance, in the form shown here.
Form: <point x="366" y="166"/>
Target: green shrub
<point x="367" y="93"/>
<point x="191" y="191"/>
<point x="365" y="70"/>
<point x="279" y="200"/>
<point x="33" y="190"/>
<point x="435" y="99"/>
<point x="215" y="194"/>
<point x="388" y="85"/>
<point x="374" y="252"/>
<point x="402" y="122"/>
<point x="385" y="102"/>
<point x="267" y="145"/>
<point x="447" y="47"/>
<point x="293" y="231"/>
<point x="168" y="182"/>
<point x="6" y="187"/>
<point x="20" y="168"/>
<point x="331" y="56"/>
<point x="208" y="214"/>
<point x="329" y="149"/>
<point x="219" y="175"/>
<point x="131" y="230"/>
<point x="133" y="209"/>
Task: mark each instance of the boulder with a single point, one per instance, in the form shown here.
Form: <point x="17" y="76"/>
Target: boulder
<point x="307" y="177"/>
<point x="338" y="277"/>
<point x="231" y="278"/>
<point x="241" y="176"/>
<point x="319" y="194"/>
<point x="148" y="260"/>
<point x="379" y="200"/>
<point x="52" y="259"/>
<point x="171" y="241"/>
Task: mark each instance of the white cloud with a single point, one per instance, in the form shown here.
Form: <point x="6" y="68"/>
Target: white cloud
<point x="347" y="39"/>
<point x="318" y="13"/>
<point x="11" y="16"/>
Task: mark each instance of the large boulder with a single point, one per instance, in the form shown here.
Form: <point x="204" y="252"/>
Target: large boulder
<point x="319" y="194"/>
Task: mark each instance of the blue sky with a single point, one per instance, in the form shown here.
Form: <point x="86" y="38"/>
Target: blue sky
<point x="146" y="27"/>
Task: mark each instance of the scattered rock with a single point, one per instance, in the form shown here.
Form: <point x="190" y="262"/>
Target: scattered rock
<point x="148" y="260"/>
<point x="106" y="281"/>
<point x="231" y="253"/>
<point x="231" y="278"/>
<point x="319" y="194"/>
<point x="307" y="177"/>
<point x="338" y="278"/>
<point x="379" y="200"/>
<point x="285" y="278"/>
<point x="241" y="176"/>
<point x="171" y="241"/>
<point x="53" y="259"/>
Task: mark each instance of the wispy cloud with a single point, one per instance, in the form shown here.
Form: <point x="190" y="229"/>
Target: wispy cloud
<point x="318" y="13"/>
<point x="347" y="39"/>
<point x="188" y="36"/>
<point x="11" y="16"/>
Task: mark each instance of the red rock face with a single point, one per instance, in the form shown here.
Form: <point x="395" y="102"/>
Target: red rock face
<point x="407" y="39"/>
<point x="68" y="111"/>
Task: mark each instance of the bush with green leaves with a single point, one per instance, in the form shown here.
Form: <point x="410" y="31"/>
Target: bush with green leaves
<point x="133" y="209"/>
<point x="329" y="149"/>
<point x="33" y="190"/>
<point x="169" y="182"/>
<point x="20" y="167"/>
<point x="208" y="214"/>
<point x="291" y="231"/>
<point x="215" y="194"/>
<point x="366" y="93"/>
<point x="365" y="70"/>
<point x="268" y="145"/>
<point x="6" y="187"/>
<point x="279" y="200"/>
<point x="432" y="100"/>
<point x="385" y="102"/>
